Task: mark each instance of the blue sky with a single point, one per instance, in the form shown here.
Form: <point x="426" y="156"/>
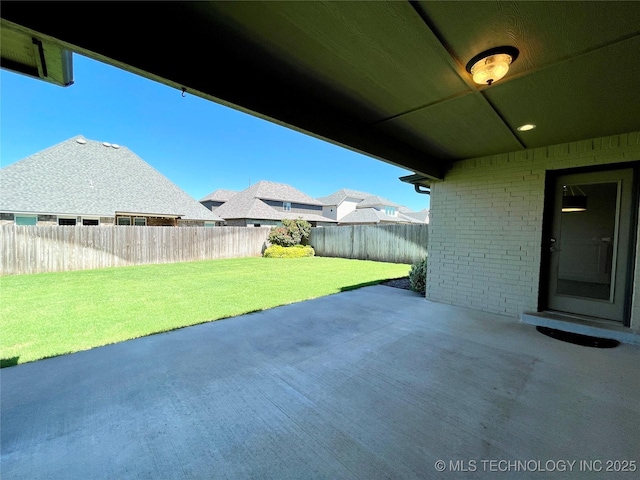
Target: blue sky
<point x="199" y="145"/>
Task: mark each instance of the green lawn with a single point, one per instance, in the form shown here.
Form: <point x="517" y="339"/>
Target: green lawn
<point x="50" y="314"/>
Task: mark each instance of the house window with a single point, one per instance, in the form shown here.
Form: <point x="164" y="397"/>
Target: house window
<point x="66" y="221"/>
<point x="286" y="206"/>
<point x="209" y="224"/>
<point x="26" y="220"/>
<point x="140" y="221"/>
<point x="391" y="211"/>
<point x="90" y="221"/>
<point x="124" y="220"/>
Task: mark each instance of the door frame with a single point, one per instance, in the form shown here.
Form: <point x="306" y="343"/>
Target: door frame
<point x="547" y="226"/>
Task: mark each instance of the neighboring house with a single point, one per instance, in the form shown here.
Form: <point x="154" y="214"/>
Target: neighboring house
<point x="268" y="203"/>
<point x="86" y="182"/>
<point x="351" y="207"/>
<point x="422" y="216"/>
<point x="342" y="202"/>
<point x="217" y="198"/>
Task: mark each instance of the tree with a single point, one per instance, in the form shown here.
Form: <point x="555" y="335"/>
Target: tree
<point x="292" y="232"/>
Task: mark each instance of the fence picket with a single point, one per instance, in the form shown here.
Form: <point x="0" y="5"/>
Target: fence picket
<point x="37" y="249"/>
<point x="385" y="243"/>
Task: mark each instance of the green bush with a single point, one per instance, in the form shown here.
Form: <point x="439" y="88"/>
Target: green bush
<point x="301" y="227"/>
<point x="281" y="236"/>
<point x="292" y="232"/>
<point x="418" y="276"/>
<point x="297" y="251"/>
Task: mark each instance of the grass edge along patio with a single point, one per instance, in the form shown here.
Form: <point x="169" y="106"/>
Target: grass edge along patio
<point x="66" y="312"/>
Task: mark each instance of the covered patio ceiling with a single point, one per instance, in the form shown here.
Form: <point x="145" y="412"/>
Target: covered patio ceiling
<point x="386" y="79"/>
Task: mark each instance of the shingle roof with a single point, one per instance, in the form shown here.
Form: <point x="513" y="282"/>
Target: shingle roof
<point x="248" y="203"/>
<point x="266" y="190"/>
<point x="219" y="195"/>
<point x="86" y="177"/>
<point x="310" y="217"/>
<point x="422" y="216"/>
<point x="409" y="219"/>
<point x="376" y="201"/>
<point x="244" y="206"/>
<point x="337" y="197"/>
<point x="371" y="215"/>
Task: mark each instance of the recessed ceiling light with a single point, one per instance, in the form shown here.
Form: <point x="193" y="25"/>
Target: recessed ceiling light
<point x="526" y="127"/>
<point x="491" y="65"/>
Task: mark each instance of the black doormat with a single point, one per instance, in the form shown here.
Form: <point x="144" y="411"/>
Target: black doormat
<point x="578" y="339"/>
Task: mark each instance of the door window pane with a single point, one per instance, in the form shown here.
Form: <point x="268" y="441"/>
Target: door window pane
<point x="587" y="239"/>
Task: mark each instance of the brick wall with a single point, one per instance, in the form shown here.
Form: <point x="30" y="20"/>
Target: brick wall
<point x="160" y="222"/>
<point x="191" y="223"/>
<point x="236" y="223"/>
<point x="6" y="218"/>
<point x="486" y="218"/>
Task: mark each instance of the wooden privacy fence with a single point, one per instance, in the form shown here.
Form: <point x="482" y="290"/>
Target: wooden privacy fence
<point x="35" y="249"/>
<point x="385" y="243"/>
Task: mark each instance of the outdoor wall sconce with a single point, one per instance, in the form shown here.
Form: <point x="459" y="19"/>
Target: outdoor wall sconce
<point x="572" y="202"/>
<point x="492" y="65"/>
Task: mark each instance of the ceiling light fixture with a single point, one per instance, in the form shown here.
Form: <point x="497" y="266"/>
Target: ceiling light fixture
<point x="491" y="65"/>
<point x="526" y="127"/>
<point x="572" y="202"/>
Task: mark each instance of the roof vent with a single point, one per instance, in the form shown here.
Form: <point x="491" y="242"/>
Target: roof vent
<point x="81" y="141"/>
<point x="106" y="144"/>
<point x="115" y="145"/>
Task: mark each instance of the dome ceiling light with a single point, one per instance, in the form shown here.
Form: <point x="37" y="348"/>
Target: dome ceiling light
<point x="572" y="202"/>
<point x="491" y="65"/>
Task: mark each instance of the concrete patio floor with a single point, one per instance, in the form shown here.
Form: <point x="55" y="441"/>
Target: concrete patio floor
<point x="367" y="384"/>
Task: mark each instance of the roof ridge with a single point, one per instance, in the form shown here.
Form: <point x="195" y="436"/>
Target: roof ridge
<point x="100" y="179"/>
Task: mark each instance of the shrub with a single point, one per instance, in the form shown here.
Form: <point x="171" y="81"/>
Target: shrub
<point x="301" y="227"/>
<point x="281" y="236"/>
<point x="292" y="232"/>
<point x="418" y="276"/>
<point x="297" y="251"/>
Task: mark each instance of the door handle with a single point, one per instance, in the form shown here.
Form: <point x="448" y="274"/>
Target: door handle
<point x="553" y="247"/>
